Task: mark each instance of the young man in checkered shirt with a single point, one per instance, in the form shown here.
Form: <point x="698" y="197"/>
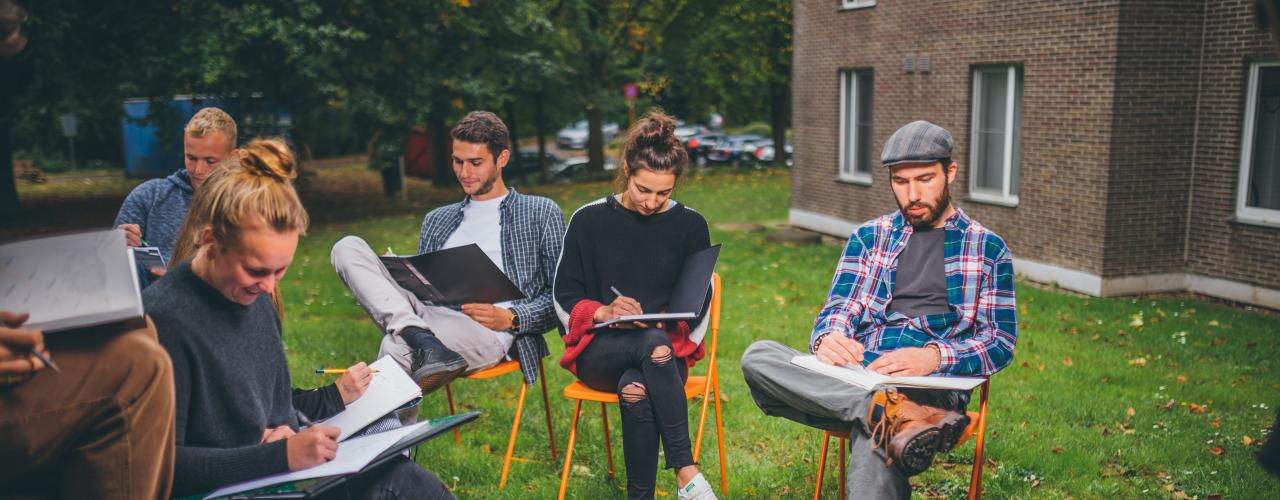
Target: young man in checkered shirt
<point x="922" y="291"/>
<point x="521" y="234"/>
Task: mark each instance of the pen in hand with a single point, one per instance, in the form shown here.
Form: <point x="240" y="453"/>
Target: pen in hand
<point x="45" y="359"/>
<point x="303" y="421"/>
<point x="615" y="291"/>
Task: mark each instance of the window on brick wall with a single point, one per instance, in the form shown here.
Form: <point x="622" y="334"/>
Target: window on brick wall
<point x="855" y="125"/>
<point x="996" y="133"/>
<point x="1259" y="193"/>
<point x="856" y="4"/>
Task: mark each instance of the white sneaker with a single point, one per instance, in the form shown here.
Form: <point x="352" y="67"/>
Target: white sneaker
<point x="697" y="489"/>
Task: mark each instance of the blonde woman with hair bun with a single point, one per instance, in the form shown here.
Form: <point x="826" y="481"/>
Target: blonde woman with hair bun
<point x="237" y="417"/>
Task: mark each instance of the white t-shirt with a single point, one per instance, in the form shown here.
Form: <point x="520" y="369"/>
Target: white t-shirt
<point x="482" y="225"/>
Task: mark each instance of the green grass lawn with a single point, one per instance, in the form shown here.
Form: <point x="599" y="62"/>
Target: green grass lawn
<point x="1104" y="398"/>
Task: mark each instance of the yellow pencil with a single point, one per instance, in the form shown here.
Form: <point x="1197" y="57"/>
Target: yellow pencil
<point x="335" y="371"/>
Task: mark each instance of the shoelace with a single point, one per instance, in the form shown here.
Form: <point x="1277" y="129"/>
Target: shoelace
<point x="880" y="427"/>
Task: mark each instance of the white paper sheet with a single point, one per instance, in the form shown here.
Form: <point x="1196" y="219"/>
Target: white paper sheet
<point x="390" y="389"/>
<point x="352" y="456"/>
<point x="861" y="377"/>
<point x="70" y="281"/>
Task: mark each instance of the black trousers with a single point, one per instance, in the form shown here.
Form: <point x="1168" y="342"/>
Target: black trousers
<point x="617" y="358"/>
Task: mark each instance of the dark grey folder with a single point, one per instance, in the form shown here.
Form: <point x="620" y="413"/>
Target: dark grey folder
<point x="458" y="275"/>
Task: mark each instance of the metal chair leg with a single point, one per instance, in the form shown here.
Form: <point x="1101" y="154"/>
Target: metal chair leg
<point x="568" y="452"/>
<point x="844" y="446"/>
<point x="448" y="392"/>
<point x="822" y="466"/>
<point x="724" y="459"/>
<point x="511" y="442"/>
<point x="546" y="405"/>
<point x="608" y="446"/>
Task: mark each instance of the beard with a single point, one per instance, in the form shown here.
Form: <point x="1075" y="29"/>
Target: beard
<point x="933" y="209"/>
<point x="488" y="183"/>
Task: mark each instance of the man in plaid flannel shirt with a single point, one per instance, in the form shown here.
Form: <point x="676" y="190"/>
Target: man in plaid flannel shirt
<point x="922" y="291"/>
<point x="521" y="234"/>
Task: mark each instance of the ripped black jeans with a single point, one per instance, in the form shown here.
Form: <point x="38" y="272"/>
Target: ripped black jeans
<point x="639" y="366"/>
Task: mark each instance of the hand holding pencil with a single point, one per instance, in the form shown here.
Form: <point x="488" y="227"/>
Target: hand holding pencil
<point x="22" y="352"/>
<point x="354" y="381"/>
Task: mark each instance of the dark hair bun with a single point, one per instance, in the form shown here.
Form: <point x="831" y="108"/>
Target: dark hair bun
<point x="657" y="130"/>
<point x="269" y="158"/>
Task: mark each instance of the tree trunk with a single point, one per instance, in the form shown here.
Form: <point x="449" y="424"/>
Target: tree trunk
<point x="514" y="162"/>
<point x="779" y="104"/>
<point x="595" y="139"/>
<point x="441" y="170"/>
<point x="8" y="188"/>
<point x="539" y="123"/>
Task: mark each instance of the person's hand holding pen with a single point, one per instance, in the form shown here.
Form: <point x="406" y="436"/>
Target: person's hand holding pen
<point x="621" y="306"/>
<point x="22" y="352"/>
<point x="312" y="445"/>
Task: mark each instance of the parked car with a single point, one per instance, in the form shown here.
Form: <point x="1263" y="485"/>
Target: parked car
<point x="526" y="167"/>
<point x="575" y="136"/>
<point x="765" y="152"/>
<point x="574" y="167"/>
<point x="684" y="132"/>
<point x="700" y="145"/>
<point x="736" y="149"/>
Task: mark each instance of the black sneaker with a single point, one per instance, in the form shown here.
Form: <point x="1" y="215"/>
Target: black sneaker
<point x="434" y="368"/>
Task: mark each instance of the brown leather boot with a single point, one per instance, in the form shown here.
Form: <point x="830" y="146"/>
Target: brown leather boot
<point x="910" y="433"/>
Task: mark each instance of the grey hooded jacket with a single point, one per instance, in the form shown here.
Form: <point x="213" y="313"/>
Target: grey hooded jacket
<point x="158" y="207"/>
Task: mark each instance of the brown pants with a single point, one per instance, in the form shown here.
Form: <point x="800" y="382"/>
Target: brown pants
<point x="100" y="428"/>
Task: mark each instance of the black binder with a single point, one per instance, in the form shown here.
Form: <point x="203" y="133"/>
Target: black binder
<point x="459" y="275"/>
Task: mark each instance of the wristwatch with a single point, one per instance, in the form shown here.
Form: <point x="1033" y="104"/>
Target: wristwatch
<point x="515" y="320"/>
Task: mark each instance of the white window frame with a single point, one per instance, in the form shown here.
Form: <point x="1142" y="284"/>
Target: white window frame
<point x="1005" y="196"/>
<point x="849" y="149"/>
<point x="856" y="4"/>
<point x="1245" y="213"/>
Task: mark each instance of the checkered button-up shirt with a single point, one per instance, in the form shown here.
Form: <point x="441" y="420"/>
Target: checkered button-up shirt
<point x="975" y="337"/>
<point x="532" y="233"/>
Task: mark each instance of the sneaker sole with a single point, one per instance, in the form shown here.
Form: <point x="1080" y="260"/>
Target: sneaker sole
<point x="431" y="382"/>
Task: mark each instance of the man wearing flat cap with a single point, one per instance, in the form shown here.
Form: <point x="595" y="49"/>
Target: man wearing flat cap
<point x="921" y="291"/>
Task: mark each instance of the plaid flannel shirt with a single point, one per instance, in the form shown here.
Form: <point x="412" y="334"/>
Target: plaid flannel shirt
<point x="532" y="233"/>
<point x="975" y="337"/>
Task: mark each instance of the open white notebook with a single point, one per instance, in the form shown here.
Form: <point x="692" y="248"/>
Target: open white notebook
<point x="70" y="281"/>
<point x="391" y="388"/>
<point x="861" y="377"/>
<point x="352" y="456"/>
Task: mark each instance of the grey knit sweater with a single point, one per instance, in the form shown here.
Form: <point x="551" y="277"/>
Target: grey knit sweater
<point x="231" y="382"/>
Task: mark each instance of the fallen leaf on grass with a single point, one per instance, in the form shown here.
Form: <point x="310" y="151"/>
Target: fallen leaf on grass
<point x="1180" y="495"/>
<point x="1217" y="341"/>
<point x="1214" y="496"/>
<point x="1182" y="379"/>
<point x="1130" y="412"/>
<point x="1195" y="408"/>
<point x="1216" y="423"/>
<point x="1246" y="440"/>
<point x="1138" y="362"/>
<point x="1067" y="361"/>
<point x="1167" y="487"/>
<point x="1218" y="451"/>
<point x="1058" y="451"/>
<point x="1035" y="483"/>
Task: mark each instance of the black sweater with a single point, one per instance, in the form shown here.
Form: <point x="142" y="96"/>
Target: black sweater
<point x="231" y="381"/>
<point x="642" y="256"/>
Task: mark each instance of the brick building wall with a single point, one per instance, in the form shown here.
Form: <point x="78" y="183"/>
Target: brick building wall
<point x="1130" y="136"/>
<point x="1067" y="54"/>
<point x="1217" y="246"/>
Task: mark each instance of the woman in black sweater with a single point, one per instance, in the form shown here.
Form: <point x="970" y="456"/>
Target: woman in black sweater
<point x="236" y="414"/>
<point x="622" y="256"/>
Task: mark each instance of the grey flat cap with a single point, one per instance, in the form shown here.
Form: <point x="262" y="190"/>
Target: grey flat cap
<point x="917" y="142"/>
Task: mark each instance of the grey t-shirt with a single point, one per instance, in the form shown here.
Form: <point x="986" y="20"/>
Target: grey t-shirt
<point x="920" y="286"/>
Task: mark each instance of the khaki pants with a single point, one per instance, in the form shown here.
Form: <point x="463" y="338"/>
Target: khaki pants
<point x="100" y="428"/>
<point x="393" y="308"/>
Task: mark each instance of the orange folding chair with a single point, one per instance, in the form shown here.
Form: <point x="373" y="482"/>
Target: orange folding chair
<point x="707" y="386"/>
<point x="977" y="427"/>
<point x="503" y="368"/>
